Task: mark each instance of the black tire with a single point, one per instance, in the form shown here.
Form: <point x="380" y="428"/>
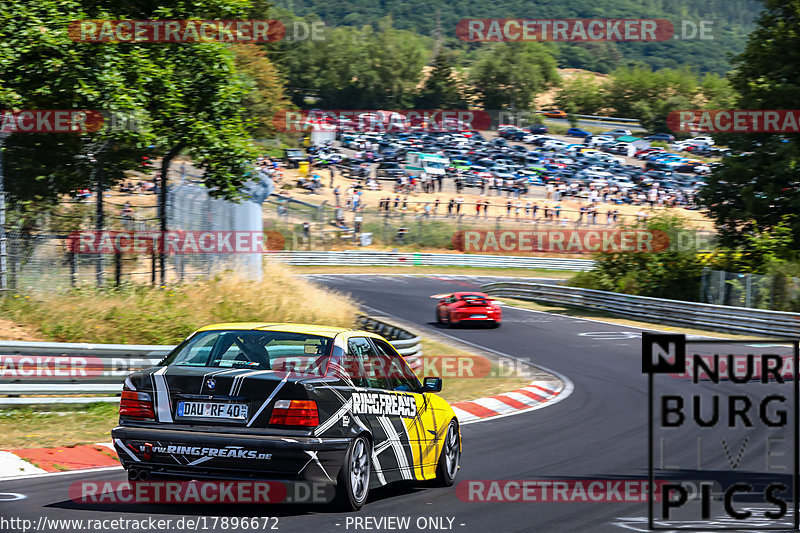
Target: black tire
<point x="450" y="458"/>
<point x="350" y="497"/>
<point x="495" y="325"/>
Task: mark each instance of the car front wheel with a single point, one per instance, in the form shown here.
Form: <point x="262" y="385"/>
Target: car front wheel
<point x="447" y="468"/>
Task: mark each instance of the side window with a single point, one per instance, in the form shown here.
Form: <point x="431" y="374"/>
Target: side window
<point x="402" y="375"/>
<point x="374" y="365"/>
<point x="358" y="350"/>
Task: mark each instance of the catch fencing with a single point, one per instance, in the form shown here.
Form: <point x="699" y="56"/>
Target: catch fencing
<point x="691" y="314"/>
<point x="776" y="292"/>
<point x="40" y="257"/>
<point x="52" y="372"/>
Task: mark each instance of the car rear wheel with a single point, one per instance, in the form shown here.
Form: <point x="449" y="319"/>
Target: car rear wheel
<point x="447" y="468"/>
<point x="352" y="487"/>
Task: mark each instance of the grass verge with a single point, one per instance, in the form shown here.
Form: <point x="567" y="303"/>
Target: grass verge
<point x="458" y="388"/>
<point x="146" y="315"/>
<point x="63" y="425"/>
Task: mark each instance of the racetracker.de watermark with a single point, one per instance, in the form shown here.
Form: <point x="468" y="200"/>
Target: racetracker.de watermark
<point x="180" y="31"/>
<point x="735" y="121"/>
<point x="567" y="241"/>
<point x="581" y="30"/>
<point x="383" y="120"/>
<point x="555" y="490"/>
<point x="174" y="242"/>
<point x="70" y="121"/>
<point x="50" y="121"/>
<point x="199" y="492"/>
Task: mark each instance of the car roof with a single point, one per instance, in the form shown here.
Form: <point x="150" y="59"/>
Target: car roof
<point x="322" y="331"/>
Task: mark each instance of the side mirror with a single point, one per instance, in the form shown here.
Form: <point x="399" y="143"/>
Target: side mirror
<point x="432" y="384"/>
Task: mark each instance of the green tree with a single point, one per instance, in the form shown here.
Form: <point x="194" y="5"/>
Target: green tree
<point x="762" y="184"/>
<point x="509" y="75"/>
<point x="583" y="92"/>
<point x="354" y="68"/>
<point x="265" y="86"/>
<point x="441" y="89"/>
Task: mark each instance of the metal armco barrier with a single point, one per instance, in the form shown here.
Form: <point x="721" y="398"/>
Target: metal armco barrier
<point x="404" y="342"/>
<point x="358" y="258"/>
<point x="71" y="369"/>
<point x="716" y="317"/>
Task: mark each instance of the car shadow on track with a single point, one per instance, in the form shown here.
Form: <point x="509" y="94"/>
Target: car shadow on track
<point x="475" y="325"/>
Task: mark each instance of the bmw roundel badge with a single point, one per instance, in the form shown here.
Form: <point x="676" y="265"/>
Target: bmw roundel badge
<point x="212" y="383"/>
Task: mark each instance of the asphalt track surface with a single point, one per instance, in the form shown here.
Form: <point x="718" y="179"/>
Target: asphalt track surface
<point x="598" y="432"/>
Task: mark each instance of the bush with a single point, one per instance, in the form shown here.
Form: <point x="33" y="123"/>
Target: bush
<point x="672" y="273"/>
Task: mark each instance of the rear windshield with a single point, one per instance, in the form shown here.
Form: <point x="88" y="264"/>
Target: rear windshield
<point x="257" y="350"/>
<point x="473" y="298"/>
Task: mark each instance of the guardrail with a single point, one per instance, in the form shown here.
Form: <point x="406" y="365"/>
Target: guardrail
<point x="716" y="317"/>
<point x="72" y="369"/>
<point x="359" y="258"/>
<point x="406" y="344"/>
<point x="633" y="121"/>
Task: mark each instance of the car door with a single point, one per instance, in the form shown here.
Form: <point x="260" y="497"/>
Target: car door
<point x="426" y="429"/>
<point x="385" y="410"/>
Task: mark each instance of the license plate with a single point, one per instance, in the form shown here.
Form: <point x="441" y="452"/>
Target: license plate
<point x="477" y="316"/>
<point x="229" y="411"/>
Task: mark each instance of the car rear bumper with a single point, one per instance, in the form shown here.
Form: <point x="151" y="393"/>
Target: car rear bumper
<point x="202" y="455"/>
<point x="458" y="320"/>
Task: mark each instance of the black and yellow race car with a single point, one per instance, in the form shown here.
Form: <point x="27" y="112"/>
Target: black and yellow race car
<point x="287" y="402"/>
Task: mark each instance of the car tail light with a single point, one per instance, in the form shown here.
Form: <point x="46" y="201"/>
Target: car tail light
<point x="295" y="413"/>
<point x="136" y="404"/>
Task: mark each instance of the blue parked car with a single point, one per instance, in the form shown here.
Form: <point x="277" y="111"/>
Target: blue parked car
<point x="577" y="132"/>
<point x="537" y="129"/>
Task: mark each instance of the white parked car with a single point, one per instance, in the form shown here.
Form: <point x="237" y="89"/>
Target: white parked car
<point x="618" y="132"/>
<point x="702" y="140"/>
<point x="601" y="140"/>
<point x="555" y="144"/>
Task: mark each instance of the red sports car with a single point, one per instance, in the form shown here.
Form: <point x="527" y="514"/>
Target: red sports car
<point x="467" y="307"/>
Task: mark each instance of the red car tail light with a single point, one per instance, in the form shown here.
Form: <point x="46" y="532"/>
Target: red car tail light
<point x="136" y="405"/>
<point x="295" y="413"/>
